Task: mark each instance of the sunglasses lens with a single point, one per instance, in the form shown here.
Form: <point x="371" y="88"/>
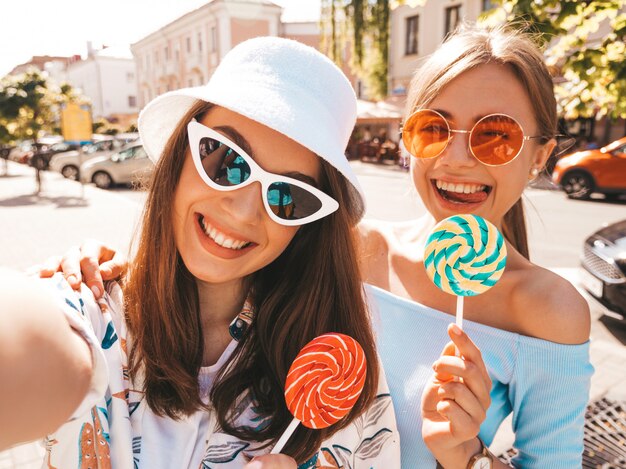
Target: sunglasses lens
<point x="496" y="139"/>
<point x="222" y="164"/>
<point x="291" y="202"/>
<point x="425" y="134"/>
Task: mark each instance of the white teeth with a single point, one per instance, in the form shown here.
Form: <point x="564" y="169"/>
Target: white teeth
<point x="460" y="188"/>
<point x="220" y="238"/>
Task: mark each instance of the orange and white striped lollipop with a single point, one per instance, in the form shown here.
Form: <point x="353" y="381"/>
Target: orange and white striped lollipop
<point x="324" y="382"/>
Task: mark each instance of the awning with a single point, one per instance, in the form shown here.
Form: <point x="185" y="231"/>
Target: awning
<point x="371" y="112"/>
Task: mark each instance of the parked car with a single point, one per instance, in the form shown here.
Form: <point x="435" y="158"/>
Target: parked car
<point x="123" y="167"/>
<point x="604" y="267"/>
<point x="22" y="152"/>
<point x="67" y="163"/>
<point x="41" y="156"/>
<point x="599" y="170"/>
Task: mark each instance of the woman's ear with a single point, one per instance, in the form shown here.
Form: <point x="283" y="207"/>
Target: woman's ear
<point x="543" y="153"/>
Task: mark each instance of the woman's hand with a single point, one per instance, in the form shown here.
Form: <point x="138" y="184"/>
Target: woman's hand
<point x="92" y="262"/>
<point x="272" y="461"/>
<point x="455" y="402"/>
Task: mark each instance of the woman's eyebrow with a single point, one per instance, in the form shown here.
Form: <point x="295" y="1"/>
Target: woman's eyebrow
<point x="301" y="177"/>
<point x="445" y="114"/>
<point x="236" y="137"/>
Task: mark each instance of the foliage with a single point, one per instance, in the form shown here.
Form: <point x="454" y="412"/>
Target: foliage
<point x="592" y="67"/>
<point x="29" y="105"/>
<point x="105" y="127"/>
<point x="366" y="23"/>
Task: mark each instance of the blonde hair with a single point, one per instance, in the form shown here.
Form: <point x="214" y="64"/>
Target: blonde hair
<point x="471" y="46"/>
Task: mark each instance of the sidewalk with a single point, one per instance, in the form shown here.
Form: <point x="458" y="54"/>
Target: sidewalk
<point x="34" y="228"/>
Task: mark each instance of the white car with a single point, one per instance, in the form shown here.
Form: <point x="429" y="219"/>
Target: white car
<point x="124" y="167"/>
<point x="67" y="163"/>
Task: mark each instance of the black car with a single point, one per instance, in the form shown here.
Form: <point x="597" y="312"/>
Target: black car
<point x="604" y="267"/>
<point x="42" y="154"/>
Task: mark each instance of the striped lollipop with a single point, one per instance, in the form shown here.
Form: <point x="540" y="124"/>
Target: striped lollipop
<point x="324" y="382"/>
<point x="465" y="255"/>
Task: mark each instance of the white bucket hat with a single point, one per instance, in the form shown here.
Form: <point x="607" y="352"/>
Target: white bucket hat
<point x="280" y="83"/>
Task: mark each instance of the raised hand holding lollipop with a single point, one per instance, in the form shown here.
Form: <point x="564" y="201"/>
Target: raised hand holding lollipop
<point x="323" y="383"/>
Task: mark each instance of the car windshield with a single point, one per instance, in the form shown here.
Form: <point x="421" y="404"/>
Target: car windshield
<point x="60" y="147"/>
<point x="127" y="154"/>
<point x="105" y="145"/>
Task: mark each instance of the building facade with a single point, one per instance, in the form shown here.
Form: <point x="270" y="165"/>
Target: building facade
<point x="186" y="51"/>
<point x="417" y="31"/>
<point x="108" y="78"/>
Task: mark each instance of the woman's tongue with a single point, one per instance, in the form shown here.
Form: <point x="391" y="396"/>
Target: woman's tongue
<point x="462" y="198"/>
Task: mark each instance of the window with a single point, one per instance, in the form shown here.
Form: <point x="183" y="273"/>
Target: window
<point x="200" y="42"/>
<point x="453" y="17"/>
<point x="190" y="82"/>
<point x="188" y="44"/>
<point x="156" y="57"/>
<point x="213" y="39"/>
<point x="125" y="154"/>
<point x="130" y="77"/>
<point x="166" y="53"/>
<point x="410" y="46"/>
<point x="132" y="101"/>
<point x="176" y="53"/>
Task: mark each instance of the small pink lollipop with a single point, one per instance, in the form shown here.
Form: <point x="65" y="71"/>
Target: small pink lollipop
<point x="323" y="383"/>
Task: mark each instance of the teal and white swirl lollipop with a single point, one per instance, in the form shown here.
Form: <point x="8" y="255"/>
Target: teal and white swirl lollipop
<point x="465" y="256"/>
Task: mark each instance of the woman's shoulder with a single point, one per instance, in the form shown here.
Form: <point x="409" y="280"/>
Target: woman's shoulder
<point x="547" y="306"/>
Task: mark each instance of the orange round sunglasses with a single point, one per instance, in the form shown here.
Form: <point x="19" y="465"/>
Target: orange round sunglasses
<point x="494" y="140"/>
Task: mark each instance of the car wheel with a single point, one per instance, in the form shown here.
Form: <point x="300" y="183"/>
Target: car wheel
<point x="102" y="180"/>
<point x="577" y="185"/>
<point x="70" y="171"/>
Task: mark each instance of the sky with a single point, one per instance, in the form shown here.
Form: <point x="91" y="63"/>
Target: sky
<point x="63" y="27"/>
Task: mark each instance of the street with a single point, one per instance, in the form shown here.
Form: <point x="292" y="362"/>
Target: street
<point x="35" y="227"/>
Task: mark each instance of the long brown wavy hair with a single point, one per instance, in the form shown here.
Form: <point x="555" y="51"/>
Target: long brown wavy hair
<point x="471" y="46"/>
<point x="312" y="288"/>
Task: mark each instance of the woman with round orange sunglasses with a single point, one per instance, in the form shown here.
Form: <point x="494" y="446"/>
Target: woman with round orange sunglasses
<point x="481" y="121"/>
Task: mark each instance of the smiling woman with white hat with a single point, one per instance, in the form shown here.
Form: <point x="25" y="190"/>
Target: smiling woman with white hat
<point x="246" y="254"/>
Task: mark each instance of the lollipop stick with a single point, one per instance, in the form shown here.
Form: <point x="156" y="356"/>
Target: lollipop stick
<point x="282" y="441"/>
<point x="459" y="311"/>
<point x="459" y="317"/>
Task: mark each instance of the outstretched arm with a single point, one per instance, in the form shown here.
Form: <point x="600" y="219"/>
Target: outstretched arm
<point x="45" y="366"/>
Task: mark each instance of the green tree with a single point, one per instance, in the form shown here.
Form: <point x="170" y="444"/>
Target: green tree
<point x="29" y="105"/>
<point x="364" y="25"/>
<point x="594" y="69"/>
